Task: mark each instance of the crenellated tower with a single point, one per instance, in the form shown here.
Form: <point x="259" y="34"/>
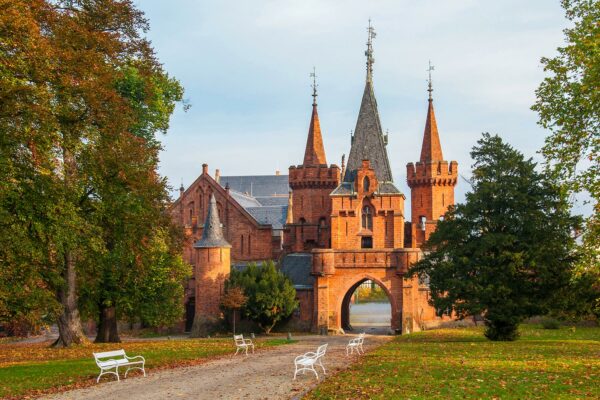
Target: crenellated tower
<point x="311" y="183"/>
<point x="431" y="180"/>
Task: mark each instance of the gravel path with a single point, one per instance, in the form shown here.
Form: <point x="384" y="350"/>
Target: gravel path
<point x="266" y="375"/>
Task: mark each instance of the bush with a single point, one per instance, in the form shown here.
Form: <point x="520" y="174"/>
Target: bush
<point x="271" y="296"/>
<point x="550" y="323"/>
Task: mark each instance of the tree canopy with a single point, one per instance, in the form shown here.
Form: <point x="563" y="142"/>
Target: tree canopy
<point x="82" y="207"/>
<point x="270" y="295"/>
<point x="568" y="104"/>
<point x="508" y="250"/>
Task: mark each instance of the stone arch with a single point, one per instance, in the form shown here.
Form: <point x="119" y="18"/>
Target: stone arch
<point x="343" y="304"/>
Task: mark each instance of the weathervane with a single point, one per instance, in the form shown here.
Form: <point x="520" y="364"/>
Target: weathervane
<point x="314" y="85"/>
<point x="430" y="87"/>
<point x="369" y="51"/>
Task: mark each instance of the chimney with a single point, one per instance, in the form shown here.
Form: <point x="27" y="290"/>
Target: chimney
<point x="217" y="175"/>
<point x="204" y="169"/>
<point x="277" y="172"/>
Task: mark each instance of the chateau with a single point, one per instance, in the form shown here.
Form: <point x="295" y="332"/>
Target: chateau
<point x="329" y="227"/>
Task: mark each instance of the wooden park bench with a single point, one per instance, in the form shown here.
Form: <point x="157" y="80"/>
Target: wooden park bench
<point x="356" y="343"/>
<point x="110" y="361"/>
<point x="307" y="361"/>
<point x="242" y="344"/>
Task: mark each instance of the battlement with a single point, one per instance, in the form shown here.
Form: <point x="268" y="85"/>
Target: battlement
<point x="314" y="176"/>
<point x="326" y="261"/>
<point x="432" y="173"/>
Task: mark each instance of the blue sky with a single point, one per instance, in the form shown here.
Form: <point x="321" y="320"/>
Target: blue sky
<point x="245" y="66"/>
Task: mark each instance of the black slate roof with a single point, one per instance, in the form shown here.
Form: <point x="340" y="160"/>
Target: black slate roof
<point x="346" y="188"/>
<point x="273" y="200"/>
<point x="212" y="235"/>
<point x="273" y="215"/>
<point x="368" y="142"/>
<point x="297" y="267"/>
<point x="257" y="185"/>
<point x="244" y="200"/>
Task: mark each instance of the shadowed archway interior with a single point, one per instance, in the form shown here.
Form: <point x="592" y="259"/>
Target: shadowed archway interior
<point x="372" y="307"/>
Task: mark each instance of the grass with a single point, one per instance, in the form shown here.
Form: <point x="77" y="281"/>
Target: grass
<point x="461" y="363"/>
<point x="30" y="369"/>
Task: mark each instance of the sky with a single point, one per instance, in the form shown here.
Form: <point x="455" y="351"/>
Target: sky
<point x="245" y="68"/>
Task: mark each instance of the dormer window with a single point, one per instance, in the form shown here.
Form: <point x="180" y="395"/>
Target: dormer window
<point x="366" y="184"/>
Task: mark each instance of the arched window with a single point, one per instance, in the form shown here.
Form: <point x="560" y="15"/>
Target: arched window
<point x="366" y="184"/>
<point x="322" y="222"/>
<point x="367" y="218"/>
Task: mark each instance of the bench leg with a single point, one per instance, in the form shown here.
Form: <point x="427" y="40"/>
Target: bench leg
<point x="130" y="368"/>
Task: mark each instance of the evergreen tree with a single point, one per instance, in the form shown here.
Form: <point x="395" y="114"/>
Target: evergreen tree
<point x="508" y="250"/>
<point x="270" y="294"/>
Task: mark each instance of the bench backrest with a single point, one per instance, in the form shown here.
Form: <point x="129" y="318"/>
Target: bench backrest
<point x="239" y="339"/>
<point x="107" y="354"/>
<point x="321" y="350"/>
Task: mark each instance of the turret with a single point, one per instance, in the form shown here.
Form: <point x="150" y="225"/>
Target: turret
<point x="212" y="268"/>
<point x="431" y="180"/>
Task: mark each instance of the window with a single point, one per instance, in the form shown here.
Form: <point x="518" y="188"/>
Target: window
<point x="366" y="183"/>
<point x="322" y="222"/>
<point x="242" y="244"/>
<point x="366" y="242"/>
<point x="367" y="218"/>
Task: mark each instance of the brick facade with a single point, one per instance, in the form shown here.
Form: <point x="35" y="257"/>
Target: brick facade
<point x="351" y="222"/>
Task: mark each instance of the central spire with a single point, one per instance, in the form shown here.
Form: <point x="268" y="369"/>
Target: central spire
<point x="315" y="152"/>
<point x="368" y="141"/>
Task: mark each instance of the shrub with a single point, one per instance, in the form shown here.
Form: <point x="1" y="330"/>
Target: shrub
<point x="550" y="323"/>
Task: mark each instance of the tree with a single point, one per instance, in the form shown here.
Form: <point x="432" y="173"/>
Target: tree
<point x="568" y="104"/>
<point x="233" y="300"/>
<point x="82" y="96"/>
<point x="508" y="250"/>
<point x="271" y="295"/>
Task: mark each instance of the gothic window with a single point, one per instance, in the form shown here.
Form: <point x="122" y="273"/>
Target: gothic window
<point x="322" y="222"/>
<point x="366" y="184"/>
<point x="367" y="218"/>
<point x="242" y="244"/>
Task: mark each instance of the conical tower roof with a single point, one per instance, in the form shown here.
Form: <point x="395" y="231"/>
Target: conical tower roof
<point x="315" y="152"/>
<point x="368" y="142"/>
<point x="431" y="150"/>
<point x="212" y="235"/>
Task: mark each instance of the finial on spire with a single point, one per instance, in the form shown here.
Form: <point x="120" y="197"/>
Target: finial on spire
<point x="314" y="86"/>
<point x="430" y="86"/>
<point x="369" y="51"/>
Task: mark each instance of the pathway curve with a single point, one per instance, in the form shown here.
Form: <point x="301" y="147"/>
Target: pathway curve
<point x="265" y="375"/>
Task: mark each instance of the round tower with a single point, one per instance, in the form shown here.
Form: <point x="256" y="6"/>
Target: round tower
<point x="212" y="268"/>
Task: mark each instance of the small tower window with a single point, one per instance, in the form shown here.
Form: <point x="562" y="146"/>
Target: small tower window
<point x="367" y="218"/>
<point x="366" y="184"/>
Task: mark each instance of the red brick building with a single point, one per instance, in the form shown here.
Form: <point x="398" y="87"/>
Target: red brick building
<point x="330" y="228"/>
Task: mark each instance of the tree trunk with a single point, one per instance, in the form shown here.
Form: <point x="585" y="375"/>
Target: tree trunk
<point x="107" y="327"/>
<point x="69" y="323"/>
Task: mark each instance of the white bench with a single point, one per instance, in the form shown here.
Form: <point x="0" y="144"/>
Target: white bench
<point x="110" y="361"/>
<point x="307" y="362"/>
<point x="242" y="344"/>
<point x="356" y="343"/>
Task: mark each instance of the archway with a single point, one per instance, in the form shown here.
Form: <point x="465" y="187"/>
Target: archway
<point x="367" y="307"/>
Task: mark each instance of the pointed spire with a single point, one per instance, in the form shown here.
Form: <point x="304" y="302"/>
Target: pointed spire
<point x="212" y="234"/>
<point x="289" y="219"/>
<point x="432" y="148"/>
<point x="368" y="141"/>
<point x="315" y="152"/>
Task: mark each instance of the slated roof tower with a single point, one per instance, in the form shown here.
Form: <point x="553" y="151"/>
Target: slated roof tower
<point x="368" y="141"/>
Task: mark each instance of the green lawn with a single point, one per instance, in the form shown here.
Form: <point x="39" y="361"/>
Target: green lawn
<point x="36" y="368"/>
<point x="461" y="363"/>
